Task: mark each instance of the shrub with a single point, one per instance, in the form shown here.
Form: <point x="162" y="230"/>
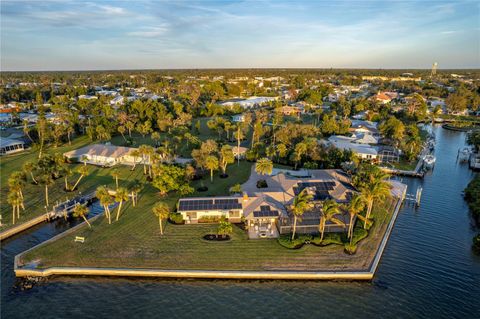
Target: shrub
<point x="328" y="239"/>
<point x="359" y="234"/>
<point x="350" y="248"/>
<point x="287" y="242"/>
<point x="176" y="218"/>
<point x="210" y="219"/>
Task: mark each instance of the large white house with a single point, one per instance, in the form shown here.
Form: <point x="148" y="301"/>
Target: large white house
<point x="104" y="155"/>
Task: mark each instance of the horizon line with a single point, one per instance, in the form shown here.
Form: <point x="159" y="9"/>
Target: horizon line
<point x="235" y="68"/>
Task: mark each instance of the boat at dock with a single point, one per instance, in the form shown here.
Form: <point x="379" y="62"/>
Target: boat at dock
<point x="429" y="161"/>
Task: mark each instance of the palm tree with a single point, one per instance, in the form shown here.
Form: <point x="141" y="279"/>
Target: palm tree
<point x="224" y="228"/>
<point x="66" y="173"/>
<point x="375" y="189"/>
<point x="81" y="211"/>
<point x="239" y="136"/>
<point x="354" y="208"/>
<point x="161" y="210"/>
<point x="143" y="150"/>
<point x="28" y="168"/>
<point x="47" y="180"/>
<point x="83" y="171"/>
<point x="264" y="166"/>
<point x="120" y="196"/>
<point x="14" y="200"/>
<point x="330" y="208"/>
<point x="226" y="157"/>
<point x="135" y="190"/>
<point x="16" y="182"/>
<point x="105" y="200"/>
<point x="301" y="204"/>
<point x="134" y="153"/>
<point x="211" y="163"/>
<point x="115" y="174"/>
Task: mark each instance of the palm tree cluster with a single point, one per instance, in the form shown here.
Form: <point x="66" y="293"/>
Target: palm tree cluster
<point x="373" y="188"/>
<point x="108" y="198"/>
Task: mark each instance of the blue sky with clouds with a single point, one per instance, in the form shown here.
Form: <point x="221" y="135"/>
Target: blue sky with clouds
<point x="77" y="35"/>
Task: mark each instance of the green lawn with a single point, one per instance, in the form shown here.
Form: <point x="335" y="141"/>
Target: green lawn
<point x="135" y="241"/>
<point x="405" y="165"/>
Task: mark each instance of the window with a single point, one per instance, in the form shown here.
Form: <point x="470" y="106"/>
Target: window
<point x="192" y="215"/>
<point x="234" y="214"/>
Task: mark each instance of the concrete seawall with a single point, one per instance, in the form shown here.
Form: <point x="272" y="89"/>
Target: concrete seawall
<point x="24" y="226"/>
<point x="366" y="274"/>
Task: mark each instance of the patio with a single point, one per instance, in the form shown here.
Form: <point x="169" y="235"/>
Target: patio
<point x="262" y="228"/>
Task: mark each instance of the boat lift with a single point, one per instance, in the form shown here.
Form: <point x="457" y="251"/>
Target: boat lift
<point x="415" y="198"/>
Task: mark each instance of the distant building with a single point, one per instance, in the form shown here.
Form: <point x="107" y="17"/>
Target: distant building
<point x="10" y="146"/>
<point x="238" y="118"/>
<point x="249" y="102"/>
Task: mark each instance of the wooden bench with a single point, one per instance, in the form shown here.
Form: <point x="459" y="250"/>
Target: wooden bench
<point x="79" y="239"/>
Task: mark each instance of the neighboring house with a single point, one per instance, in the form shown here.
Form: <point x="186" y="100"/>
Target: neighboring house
<point x="10" y="146"/>
<point x="363" y="151"/>
<point x="87" y="97"/>
<point x="238" y="118"/>
<point x="249" y="102"/>
<point x="104" y="155"/>
<point x="239" y="152"/>
<point x="365" y="127"/>
<point x="291" y="110"/>
<point x="118" y="100"/>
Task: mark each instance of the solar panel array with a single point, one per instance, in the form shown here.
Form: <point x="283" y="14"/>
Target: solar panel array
<point x="321" y="189"/>
<point x="265" y="211"/>
<point x="209" y="204"/>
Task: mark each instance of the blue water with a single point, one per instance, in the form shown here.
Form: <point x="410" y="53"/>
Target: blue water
<point x="427" y="271"/>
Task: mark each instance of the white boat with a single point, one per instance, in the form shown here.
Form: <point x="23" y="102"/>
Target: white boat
<point x="464" y="154"/>
<point x="429" y="161"/>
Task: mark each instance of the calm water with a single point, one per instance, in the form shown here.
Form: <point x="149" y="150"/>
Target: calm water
<point x="427" y="271"/>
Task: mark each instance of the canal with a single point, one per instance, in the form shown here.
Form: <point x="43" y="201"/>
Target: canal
<point x="427" y="271"/>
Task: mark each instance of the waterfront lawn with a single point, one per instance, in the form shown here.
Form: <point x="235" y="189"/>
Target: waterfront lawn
<point x="135" y="242"/>
<point x="405" y="165"/>
<point x="34" y="195"/>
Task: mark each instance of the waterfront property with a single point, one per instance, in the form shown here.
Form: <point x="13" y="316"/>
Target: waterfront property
<point x="104" y="155"/>
<point x="266" y="210"/>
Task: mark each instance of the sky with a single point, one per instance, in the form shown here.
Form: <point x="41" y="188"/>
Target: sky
<point x="107" y="35"/>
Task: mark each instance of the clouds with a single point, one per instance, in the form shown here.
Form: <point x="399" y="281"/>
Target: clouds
<point x="188" y="34"/>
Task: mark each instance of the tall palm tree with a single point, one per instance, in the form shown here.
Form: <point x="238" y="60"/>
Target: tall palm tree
<point x="14" y="200"/>
<point x="375" y="189"/>
<point x="115" y="174"/>
<point x="134" y="153"/>
<point x="67" y="171"/>
<point x="211" y="163"/>
<point x="46" y="180"/>
<point x="81" y="211"/>
<point x="330" y="208"/>
<point x="28" y="168"/>
<point x="120" y="196"/>
<point x="161" y="210"/>
<point x="264" y="166"/>
<point x="143" y="150"/>
<point x="301" y="204"/>
<point x="16" y="182"/>
<point x="354" y="208"/>
<point x="239" y="135"/>
<point x="83" y="171"/>
<point x="135" y="190"/>
<point x="105" y="200"/>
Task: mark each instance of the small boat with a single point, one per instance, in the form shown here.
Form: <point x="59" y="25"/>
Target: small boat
<point x="464" y="154"/>
<point x="429" y="161"/>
